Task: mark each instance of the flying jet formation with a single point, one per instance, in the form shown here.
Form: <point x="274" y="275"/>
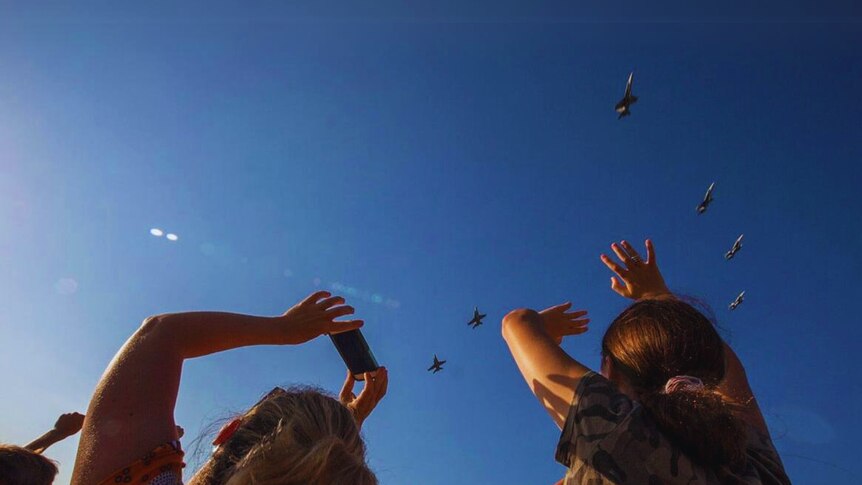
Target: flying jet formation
<point x="735" y="249"/>
<point x="735" y="303"/>
<point x="437" y="366"/>
<point x="628" y="99"/>
<point x="477" y="318"/>
<point x="706" y="199"/>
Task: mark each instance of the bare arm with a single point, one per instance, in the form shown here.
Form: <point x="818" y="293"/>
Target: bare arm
<point x="132" y="408"/>
<point x="66" y="425"/>
<point x="534" y="340"/>
<point x="642" y="280"/>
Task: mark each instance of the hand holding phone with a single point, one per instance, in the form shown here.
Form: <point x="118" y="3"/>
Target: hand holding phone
<point x="355" y="352"/>
<point x="376" y="384"/>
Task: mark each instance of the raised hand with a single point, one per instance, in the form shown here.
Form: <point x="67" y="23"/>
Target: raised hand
<point x="640" y="279"/>
<point x="376" y="383"/>
<point x="315" y="316"/>
<point x="559" y="322"/>
<point x="69" y="424"/>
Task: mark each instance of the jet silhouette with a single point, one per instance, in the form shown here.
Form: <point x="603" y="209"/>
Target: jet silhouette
<point x="477" y="318"/>
<point x="735" y="249"/>
<point x="628" y="99"/>
<point x="706" y="199"/>
<point x="735" y="303"/>
<point x="438" y="365"/>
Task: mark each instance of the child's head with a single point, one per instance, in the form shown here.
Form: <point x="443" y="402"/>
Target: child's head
<point x="295" y="436"/>
<point x="652" y="347"/>
<point x="20" y="466"/>
<point x="654" y="340"/>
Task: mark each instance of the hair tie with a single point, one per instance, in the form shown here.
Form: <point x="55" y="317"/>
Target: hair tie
<point x="227" y="431"/>
<point x="682" y="383"/>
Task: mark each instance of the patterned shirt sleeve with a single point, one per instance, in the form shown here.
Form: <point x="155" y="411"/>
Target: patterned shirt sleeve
<point x="608" y="439"/>
<point x="598" y="407"/>
<point x="763" y="458"/>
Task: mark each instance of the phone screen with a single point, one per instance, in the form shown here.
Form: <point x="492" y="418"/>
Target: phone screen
<point x="355" y="352"/>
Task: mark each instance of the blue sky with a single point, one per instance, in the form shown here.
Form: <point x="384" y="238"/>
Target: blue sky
<point x="426" y="160"/>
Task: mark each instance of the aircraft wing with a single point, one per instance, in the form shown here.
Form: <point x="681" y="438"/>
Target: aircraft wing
<point x="629" y="84"/>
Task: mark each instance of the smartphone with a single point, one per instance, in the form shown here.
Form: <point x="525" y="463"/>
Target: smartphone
<point x="355" y="352"/>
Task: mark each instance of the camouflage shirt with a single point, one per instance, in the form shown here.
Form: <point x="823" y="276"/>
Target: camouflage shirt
<point x="609" y="439"/>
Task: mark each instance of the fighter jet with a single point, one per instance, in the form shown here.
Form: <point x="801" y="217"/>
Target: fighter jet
<point x="735" y="249"/>
<point x="706" y="199"/>
<point x="437" y="366"/>
<point x="477" y="318"/>
<point x="735" y="303"/>
<point x="629" y="99"/>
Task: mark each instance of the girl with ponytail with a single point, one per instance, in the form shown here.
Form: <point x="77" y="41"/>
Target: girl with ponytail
<point x="672" y="404"/>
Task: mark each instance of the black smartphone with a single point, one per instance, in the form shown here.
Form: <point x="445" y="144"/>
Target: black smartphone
<point x="355" y="352"/>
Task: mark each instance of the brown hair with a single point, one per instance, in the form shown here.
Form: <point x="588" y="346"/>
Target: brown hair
<point x="655" y="340"/>
<point x="295" y="436"/>
<point x="20" y="466"/>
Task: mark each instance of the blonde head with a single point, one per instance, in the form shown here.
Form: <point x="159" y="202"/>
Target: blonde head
<point x="296" y="436"/>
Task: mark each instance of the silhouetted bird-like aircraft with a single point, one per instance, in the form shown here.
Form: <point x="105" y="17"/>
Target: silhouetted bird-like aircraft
<point x="437" y="366"/>
<point x="628" y="99"/>
<point x="477" y="318"/>
<point x="735" y="303"/>
<point x="735" y="249"/>
<point x="706" y="199"/>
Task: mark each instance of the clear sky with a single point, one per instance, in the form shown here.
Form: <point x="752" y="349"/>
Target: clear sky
<point x="424" y="161"/>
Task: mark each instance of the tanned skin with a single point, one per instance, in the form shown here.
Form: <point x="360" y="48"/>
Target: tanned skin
<point x="553" y="375"/>
<point x="67" y="425"/>
<point x="132" y="409"/>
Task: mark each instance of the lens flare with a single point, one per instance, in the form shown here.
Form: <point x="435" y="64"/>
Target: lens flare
<point x="157" y="232"/>
<point x="66" y="286"/>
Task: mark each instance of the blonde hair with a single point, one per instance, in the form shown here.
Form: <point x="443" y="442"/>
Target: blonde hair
<point x="299" y="436"/>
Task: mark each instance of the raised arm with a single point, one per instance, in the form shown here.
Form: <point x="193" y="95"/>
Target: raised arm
<point x="534" y="339"/>
<point x="642" y="280"/>
<point x="66" y="425"/>
<point x="132" y="409"/>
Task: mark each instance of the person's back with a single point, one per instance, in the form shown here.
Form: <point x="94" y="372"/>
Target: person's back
<point x="672" y="404"/>
<point x="631" y="448"/>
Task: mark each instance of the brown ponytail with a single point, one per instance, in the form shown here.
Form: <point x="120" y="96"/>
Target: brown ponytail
<point x="655" y="340"/>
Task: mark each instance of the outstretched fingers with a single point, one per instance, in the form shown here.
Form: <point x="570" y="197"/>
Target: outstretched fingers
<point x="561" y="308"/>
<point x="631" y="251"/>
<point x="576" y="327"/>
<point x="346" y="395"/>
<point x="339" y="311"/>
<point x="575" y="314"/>
<point x="622" y="254"/>
<point x="330" y="302"/>
<point x="620" y="288"/>
<point x="376" y="384"/>
<point x="344" y="326"/>
<point x="315" y="297"/>
<point x="613" y="266"/>
<point x="650" y="252"/>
